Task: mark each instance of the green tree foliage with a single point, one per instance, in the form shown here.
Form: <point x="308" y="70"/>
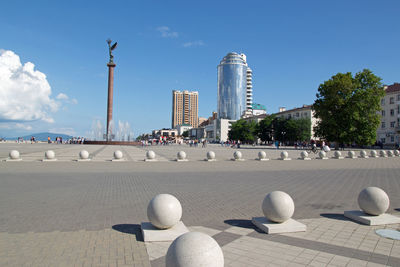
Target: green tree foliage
<point x="265" y="130"/>
<point x="185" y="133"/>
<point x="347" y="107"/>
<point x="292" y="130"/>
<point x="243" y="131"/>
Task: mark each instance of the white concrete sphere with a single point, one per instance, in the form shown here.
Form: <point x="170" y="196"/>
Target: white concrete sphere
<point x="194" y="249"/>
<point x="14" y="154"/>
<point x="278" y="206"/>
<point x="210" y="155"/>
<point x="373" y="153"/>
<point x="303" y="154"/>
<point x="84" y="154"/>
<point x="322" y="154"/>
<point x="164" y="211"/>
<point x="181" y="155"/>
<point x="284" y="155"/>
<point x="351" y="154"/>
<point x="118" y="154"/>
<point x="363" y="153"/>
<point x="390" y="153"/>
<point x="396" y="153"/>
<point x="262" y="155"/>
<point x="237" y="155"/>
<point x="49" y="154"/>
<point x="337" y="154"/>
<point x="327" y="148"/>
<point x="373" y="200"/>
<point x="382" y="153"/>
<point x="150" y="154"/>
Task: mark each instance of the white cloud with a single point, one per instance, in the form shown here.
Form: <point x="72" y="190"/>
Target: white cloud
<point x="166" y="32"/>
<point x="13" y="126"/>
<point x="24" y="91"/>
<point x="194" y="43"/>
<point x="62" y="96"/>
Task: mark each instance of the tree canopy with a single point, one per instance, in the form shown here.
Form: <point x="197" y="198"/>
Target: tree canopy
<point x="242" y="130"/>
<point x="265" y="128"/>
<point x="347" y="107"/>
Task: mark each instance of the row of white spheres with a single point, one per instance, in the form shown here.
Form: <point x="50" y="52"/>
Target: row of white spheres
<point x="14" y="154"/>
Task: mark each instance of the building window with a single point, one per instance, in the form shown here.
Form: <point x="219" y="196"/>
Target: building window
<point x="392" y="123"/>
<point x="383" y="126"/>
<point x="398" y="97"/>
<point x="392" y="139"/>
<point x="383" y="140"/>
<point x="297" y="115"/>
<point x="392" y="112"/>
<point x="383" y="113"/>
<point x="383" y="102"/>
<point x="391" y="100"/>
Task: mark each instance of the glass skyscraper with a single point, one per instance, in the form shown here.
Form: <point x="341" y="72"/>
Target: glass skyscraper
<point x="232" y="86"/>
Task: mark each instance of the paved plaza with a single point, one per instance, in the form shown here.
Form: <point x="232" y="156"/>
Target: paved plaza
<point x="70" y="213"/>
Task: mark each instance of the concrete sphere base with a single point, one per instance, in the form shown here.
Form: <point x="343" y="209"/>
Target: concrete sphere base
<point x="396" y="153"/>
<point x="278" y="206"/>
<point x="150" y="155"/>
<point x="164" y="211"/>
<point x="363" y="154"/>
<point x="373" y="201"/>
<point x="181" y="156"/>
<point x="284" y="155"/>
<point x="383" y="154"/>
<point x="304" y="155"/>
<point x="84" y="155"/>
<point x="337" y="155"/>
<point x="14" y="155"/>
<point x="351" y="155"/>
<point x="118" y="155"/>
<point x="322" y="155"/>
<point x="390" y="153"/>
<point x="237" y="155"/>
<point x="49" y="155"/>
<point x="374" y="154"/>
<point x="194" y="249"/>
<point x="262" y="156"/>
<point x="210" y="156"/>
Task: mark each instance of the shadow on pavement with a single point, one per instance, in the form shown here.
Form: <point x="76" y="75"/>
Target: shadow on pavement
<point x="335" y="216"/>
<point x="241" y="223"/>
<point x="133" y="229"/>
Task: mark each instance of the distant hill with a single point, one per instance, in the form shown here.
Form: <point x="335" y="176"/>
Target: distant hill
<point x="42" y="136"/>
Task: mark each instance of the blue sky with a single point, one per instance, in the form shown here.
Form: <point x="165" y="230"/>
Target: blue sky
<point x="292" y="47"/>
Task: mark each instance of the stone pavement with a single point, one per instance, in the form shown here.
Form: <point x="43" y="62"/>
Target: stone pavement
<point x="68" y="213"/>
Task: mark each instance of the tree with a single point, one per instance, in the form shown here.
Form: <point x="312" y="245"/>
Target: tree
<point x="185" y="133"/>
<point x="243" y="131"/>
<point x="298" y="129"/>
<point x="348" y="108"/>
<point x="265" y="128"/>
<point x="279" y="129"/>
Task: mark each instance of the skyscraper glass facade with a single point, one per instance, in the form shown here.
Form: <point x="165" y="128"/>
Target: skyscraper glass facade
<point x="232" y="86"/>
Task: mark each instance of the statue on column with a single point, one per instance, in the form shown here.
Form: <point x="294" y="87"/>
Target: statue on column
<point x="110" y="49"/>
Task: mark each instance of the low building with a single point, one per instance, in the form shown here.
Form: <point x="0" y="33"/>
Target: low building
<point x="298" y="113"/>
<point x="389" y="128"/>
<point x="183" y="128"/>
<point x="172" y="133"/>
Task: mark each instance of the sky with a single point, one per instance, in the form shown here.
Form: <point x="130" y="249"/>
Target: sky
<point x="53" y="56"/>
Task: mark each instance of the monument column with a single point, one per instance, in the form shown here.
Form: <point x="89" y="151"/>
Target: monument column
<point x="111" y="67"/>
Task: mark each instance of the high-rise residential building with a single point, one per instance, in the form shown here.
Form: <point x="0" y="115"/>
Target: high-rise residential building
<point x="185" y="108"/>
<point x="234" y="87"/>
